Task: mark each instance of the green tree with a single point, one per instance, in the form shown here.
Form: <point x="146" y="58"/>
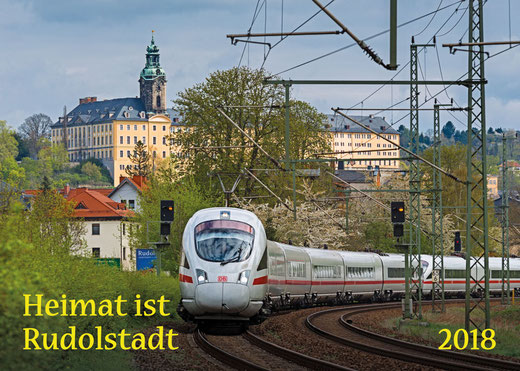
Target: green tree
<point x="91" y="170"/>
<point x="448" y="130"/>
<point x="35" y="128"/>
<point x="141" y="160"/>
<point x="188" y="196"/>
<point x="255" y="107"/>
<point x="8" y="144"/>
<point x="52" y="227"/>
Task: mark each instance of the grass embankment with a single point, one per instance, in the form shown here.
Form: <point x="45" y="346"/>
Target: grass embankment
<point x="505" y="321"/>
<point x="25" y="270"/>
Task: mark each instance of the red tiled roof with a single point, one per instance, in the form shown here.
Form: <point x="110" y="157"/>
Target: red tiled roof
<point x="96" y="205"/>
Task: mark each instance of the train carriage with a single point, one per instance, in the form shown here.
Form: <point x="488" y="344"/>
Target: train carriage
<point x="230" y="272"/>
<point x="363" y="274"/>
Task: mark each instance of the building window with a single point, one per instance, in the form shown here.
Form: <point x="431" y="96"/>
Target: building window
<point x="144" y="127"/>
<point x="128" y="154"/>
<point x="164" y="140"/>
<point x="153" y="128"/>
<point x="131" y="204"/>
<point x="164" y="128"/>
<point x="163" y="154"/>
<point x="127" y="127"/>
<point x="120" y="127"/>
<point x="135" y="127"/>
<point x="121" y="154"/>
<point x="127" y="140"/>
<point x="121" y="140"/>
<point x="135" y="140"/>
<point x="154" y="140"/>
<point x="124" y="253"/>
<point x="144" y="140"/>
<point x="124" y="227"/>
<point x="96" y="252"/>
<point x="95" y="229"/>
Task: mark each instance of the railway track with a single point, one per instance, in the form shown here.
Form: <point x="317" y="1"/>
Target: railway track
<point x="348" y="334"/>
<point x="248" y="344"/>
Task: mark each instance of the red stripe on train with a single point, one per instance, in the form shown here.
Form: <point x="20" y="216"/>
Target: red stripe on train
<point x="260" y="280"/>
<point x="184" y="278"/>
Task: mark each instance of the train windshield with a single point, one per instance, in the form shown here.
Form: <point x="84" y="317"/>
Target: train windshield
<point x="224" y="241"/>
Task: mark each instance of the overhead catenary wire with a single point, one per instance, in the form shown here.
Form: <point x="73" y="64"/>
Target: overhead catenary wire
<point x="431" y="19"/>
<point x="364" y="39"/>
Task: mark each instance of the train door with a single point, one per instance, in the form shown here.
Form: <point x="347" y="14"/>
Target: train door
<point x="276" y="269"/>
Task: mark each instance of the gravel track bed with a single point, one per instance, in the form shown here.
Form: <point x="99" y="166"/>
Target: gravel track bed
<point x="240" y="347"/>
<point x="289" y="330"/>
<point x="374" y="320"/>
<point x="187" y="357"/>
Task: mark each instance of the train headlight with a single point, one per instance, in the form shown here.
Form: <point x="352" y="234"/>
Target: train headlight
<point x="243" y="277"/>
<point x="202" y="276"/>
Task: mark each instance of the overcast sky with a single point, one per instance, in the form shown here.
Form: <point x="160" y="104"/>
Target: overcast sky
<point x="56" y="51"/>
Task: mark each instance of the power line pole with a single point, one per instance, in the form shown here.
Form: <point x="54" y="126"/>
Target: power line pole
<point x="437" y="235"/>
<point x="506" y="289"/>
<point x="477" y="269"/>
<point x="414" y="272"/>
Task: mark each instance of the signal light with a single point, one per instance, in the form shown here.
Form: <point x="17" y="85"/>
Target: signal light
<point x="397" y="211"/>
<point x="167" y="211"/>
<point x="458" y="246"/>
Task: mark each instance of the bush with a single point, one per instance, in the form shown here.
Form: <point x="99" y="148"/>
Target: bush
<point x="28" y="269"/>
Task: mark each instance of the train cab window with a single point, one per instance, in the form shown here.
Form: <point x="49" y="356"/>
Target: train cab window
<point x="224" y="241"/>
<point x="263" y="261"/>
<point x="184" y="261"/>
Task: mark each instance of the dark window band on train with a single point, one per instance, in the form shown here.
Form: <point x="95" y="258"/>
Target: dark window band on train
<point x="296" y="269"/>
<point x="184" y="261"/>
<point x="360" y="272"/>
<point x="326" y="271"/>
<point x="396" y="273"/>
<point x="512" y="274"/>
<point x="454" y="273"/>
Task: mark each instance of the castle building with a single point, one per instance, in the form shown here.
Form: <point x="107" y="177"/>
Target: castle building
<point x="109" y="129"/>
<point x="360" y="149"/>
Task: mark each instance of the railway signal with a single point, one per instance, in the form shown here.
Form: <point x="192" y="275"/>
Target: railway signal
<point x="167" y="216"/>
<point x="457" y="242"/>
<point x="397" y="212"/>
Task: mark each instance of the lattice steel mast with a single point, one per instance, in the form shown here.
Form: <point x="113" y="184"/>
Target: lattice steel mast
<point x="477" y="311"/>
<point x="506" y="288"/>
<point x="437" y="236"/>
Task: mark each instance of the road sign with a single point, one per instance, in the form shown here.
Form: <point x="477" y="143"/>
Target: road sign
<point x="145" y="259"/>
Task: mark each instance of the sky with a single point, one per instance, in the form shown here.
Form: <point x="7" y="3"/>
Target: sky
<point x="57" y="51"/>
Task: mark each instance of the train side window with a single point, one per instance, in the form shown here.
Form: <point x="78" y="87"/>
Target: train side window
<point x="184" y="261"/>
<point x="263" y="261"/>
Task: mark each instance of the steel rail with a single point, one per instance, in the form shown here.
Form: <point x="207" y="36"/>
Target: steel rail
<point x="493" y="363"/>
<point x="223" y="356"/>
<point x="443" y="359"/>
<point x="292" y="356"/>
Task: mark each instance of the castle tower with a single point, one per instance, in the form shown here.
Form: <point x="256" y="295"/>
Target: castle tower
<point x="152" y="82"/>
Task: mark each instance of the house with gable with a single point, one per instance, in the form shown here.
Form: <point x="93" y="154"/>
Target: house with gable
<point x="107" y="226"/>
<point x="128" y="191"/>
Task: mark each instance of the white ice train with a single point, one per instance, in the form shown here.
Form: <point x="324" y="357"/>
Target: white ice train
<point x="230" y="272"/>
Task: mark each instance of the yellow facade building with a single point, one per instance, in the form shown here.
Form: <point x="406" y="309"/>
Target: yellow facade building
<point x="360" y="149"/>
<point x="109" y="129"/>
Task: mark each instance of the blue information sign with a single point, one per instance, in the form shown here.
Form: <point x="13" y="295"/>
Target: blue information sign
<point x="145" y="259"/>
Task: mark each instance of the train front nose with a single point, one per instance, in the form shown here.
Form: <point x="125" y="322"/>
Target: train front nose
<point x="222" y="297"/>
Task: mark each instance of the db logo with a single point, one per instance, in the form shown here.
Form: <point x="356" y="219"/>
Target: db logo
<point x="222" y="278"/>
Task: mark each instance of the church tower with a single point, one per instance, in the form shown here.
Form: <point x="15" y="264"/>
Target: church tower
<point x="152" y="82"/>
